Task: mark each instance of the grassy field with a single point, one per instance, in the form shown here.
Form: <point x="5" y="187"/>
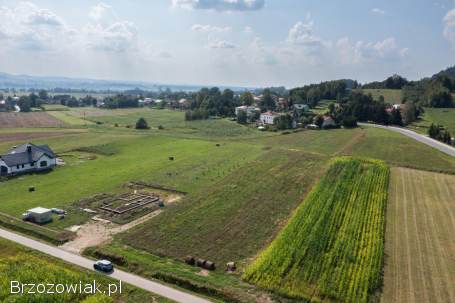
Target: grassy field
<point x="27" y="266"/>
<point x="55" y="107"/>
<point x="197" y="163"/>
<point x="420" y="246"/>
<point x="326" y="142"/>
<point x="332" y="247"/>
<point x="240" y="193"/>
<point x="441" y="116"/>
<point x="399" y="150"/>
<point x="233" y="219"/>
<point x="391" y="96"/>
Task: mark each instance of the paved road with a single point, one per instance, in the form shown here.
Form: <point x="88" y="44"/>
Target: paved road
<point x="421" y="138"/>
<point x="154" y="287"/>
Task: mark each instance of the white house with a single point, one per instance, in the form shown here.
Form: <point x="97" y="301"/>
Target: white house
<point x="249" y="110"/>
<point x="27" y="158"/>
<point x="268" y="117"/>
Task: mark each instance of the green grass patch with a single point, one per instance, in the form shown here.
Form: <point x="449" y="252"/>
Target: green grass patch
<point x="237" y="216"/>
<point x="317" y="141"/>
<point x="400" y="150"/>
<point x="441" y="116"/>
<point x="70" y="119"/>
<point x="332" y="247"/>
<point x="197" y="165"/>
<point x="55" y="107"/>
<point x="27" y="266"/>
<point x="391" y="96"/>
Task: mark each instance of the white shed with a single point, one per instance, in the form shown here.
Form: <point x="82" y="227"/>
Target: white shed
<point x="39" y="215"/>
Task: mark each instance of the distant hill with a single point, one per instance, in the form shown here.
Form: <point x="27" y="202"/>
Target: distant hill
<point x="51" y="83"/>
<point x="449" y="72"/>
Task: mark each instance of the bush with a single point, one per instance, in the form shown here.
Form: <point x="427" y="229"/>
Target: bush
<point x="142" y="124"/>
<point x="349" y="122"/>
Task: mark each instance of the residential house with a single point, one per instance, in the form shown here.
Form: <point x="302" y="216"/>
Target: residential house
<point x="27" y="158"/>
<point x="250" y="111"/>
<point x="328" y="122"/>
<point x="269" y="117"/>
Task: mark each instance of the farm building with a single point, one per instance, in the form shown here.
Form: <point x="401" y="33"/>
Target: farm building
<point x="269" y="117"/>
<point x="27" y="158"/>
<point x="38" y="215"/>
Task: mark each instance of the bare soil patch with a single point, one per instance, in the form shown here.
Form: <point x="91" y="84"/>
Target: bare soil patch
<point x="8" y="137"/>
<point x="20" y="120"/>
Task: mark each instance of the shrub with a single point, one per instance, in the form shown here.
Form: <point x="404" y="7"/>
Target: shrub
<point x="142" y="124"/>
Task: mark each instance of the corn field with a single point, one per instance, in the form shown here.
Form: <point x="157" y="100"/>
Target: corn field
<point x="332" y="248"/>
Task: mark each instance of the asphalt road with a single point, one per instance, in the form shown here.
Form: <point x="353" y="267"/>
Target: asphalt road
<point x="154" y="287"/>
<point x="421" y="138"/>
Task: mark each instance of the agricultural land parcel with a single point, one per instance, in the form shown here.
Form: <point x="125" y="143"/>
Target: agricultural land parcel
<point x="420" y="246"/>
<point x="332" y="247"/>
<point x="205" y="171"/>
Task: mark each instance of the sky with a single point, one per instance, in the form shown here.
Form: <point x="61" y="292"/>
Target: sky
<point x="252" y="43"/>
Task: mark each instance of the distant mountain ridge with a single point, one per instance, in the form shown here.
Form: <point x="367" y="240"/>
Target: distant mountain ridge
<point x="49" y="83"/>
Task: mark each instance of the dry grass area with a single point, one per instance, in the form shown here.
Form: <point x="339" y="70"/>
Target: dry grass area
<point x="420" y="243"/>
<point x="37" y="119"/>
<point x="11" y="137"/>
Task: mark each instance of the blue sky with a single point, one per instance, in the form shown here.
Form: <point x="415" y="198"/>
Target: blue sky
<point x="227" y="42"/>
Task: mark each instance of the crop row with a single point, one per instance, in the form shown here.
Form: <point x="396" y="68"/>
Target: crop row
<point x="332" y="248"/>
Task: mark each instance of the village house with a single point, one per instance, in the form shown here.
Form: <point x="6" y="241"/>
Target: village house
<point x="250" y="111"/>
<point x="27" y="158"/>
<point x="268" y="117"/>
<point x="328" y="122"/>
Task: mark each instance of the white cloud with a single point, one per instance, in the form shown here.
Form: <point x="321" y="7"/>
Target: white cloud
<point x="221" y="44"/>
<point x="378" y="11"/>
<point x="210" y="28"/>
<point x="220" y="5"/>
<point x="449" y="27"/>
<point x="361" y="52"/>
<point x="248" y="30"/>
<point x="27" y="27"/>
<point x="103" y="13"/>
<point x="118" y="37"/>
<point x="302" y="35"/>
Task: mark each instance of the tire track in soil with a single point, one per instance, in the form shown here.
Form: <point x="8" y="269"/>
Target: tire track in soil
<point x="442" y="252"/>
<point x="415" y="204"/>
<point x="411" y="296"/>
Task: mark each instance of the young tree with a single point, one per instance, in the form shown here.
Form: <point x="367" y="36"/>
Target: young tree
<point x="142" y="124"/>
<point x="247" y="98"/>
<point x="242" y="117"/>
<point x="395" y="117"/>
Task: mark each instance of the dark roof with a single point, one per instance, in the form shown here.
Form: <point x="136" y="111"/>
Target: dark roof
<point x="21" y="154"/>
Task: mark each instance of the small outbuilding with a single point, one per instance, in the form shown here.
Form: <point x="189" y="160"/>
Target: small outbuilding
<point x="38" y="215"/>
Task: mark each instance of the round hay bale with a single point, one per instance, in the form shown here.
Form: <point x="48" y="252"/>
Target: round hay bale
<point x="209" y="265"/>
<point x="190" y="260"/>
<point x="230" y="266"/>
<point x="200" y="262"/>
